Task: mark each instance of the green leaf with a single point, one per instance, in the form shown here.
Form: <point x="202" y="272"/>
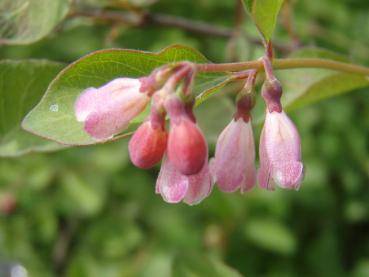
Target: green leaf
<point x="54" y="116"/>
<point x="271" y="235"/>
<point x="326" y="87"/>
<point x="306" y="86"/>
<point x="264" y="13"/>
<point x="197" y="266"/>
<point x="22" y="83"/>
<point x="26" y="21"/>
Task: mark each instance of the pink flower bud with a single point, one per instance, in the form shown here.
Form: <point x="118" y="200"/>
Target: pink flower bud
<point x="176" y="187"/>
<point x="233" y="166"/>
<point x="280" y="153"/>
<point x="108" y="110"/>
<point x="147" y="145"/>
<point x="187" y="147"/>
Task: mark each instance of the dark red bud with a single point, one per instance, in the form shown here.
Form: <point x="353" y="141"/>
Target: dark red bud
<point x="187" y="148"/>
<point x="244" y="107"/>
<point x="147" y="145"/>
<point x="272" y="92"/>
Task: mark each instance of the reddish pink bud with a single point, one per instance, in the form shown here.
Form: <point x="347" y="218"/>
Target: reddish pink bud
<point x="147" y="145"/>
<point x="233" y="166"/>
<point x="280" y="153"/>
<point x="108" y="110"/>
<point x="187" y="147"/>
<point x="175" y="187"/>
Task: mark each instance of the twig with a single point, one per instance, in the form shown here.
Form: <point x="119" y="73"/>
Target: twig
<point x="287" y="23"/>
<point x="198" y="27"/>
<point x="62" y="246"/>
<point x="148" y="19"/>
<point x="286" y="64"/>
<point x="232" y="50"/>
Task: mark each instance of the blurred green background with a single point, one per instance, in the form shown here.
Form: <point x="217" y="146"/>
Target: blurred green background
<point x="88" y="212"/>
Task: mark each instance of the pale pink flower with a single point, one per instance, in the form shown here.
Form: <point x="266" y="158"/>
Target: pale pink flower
<point x="175" y="187"/>
<point x="233" y="166"/>
<point x="108" y="110"/>
<point x="280" y="153"/>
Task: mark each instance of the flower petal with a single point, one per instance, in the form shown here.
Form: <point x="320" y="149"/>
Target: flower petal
<point x="109" y="109"/>
<point x="199" y="186"/>
<point x="288" y="174"/>
<point x="171" y="184"/>
<point x="264" y="171"/>
<point x="282" y="138"/>
<point x="87" y="102"/>
<point x="234" y="162"/>
<point x="280" y="152"/>
<point x="250" y="178"/>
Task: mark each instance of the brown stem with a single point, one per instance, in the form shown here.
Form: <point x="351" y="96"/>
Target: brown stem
<point x="268" y="68"/>
<point x="62" y="246"/>
<point x="287" y="23"/>
<point x="239" y="16"/>
<point x="148" y="19"/>
<point x="197" y="27"/>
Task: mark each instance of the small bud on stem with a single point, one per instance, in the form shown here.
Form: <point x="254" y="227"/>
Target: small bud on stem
<point x="246" y="99"/>
<point x="272" y="89"/>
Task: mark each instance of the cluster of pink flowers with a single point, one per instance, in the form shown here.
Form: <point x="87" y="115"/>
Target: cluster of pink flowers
<point x="185" y="174"/>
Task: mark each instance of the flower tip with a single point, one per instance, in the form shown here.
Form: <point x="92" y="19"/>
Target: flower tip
<point x="171" y="184"/>
<point x="175" y="187"/>
<point x="107" y="110"/>
<point x="85" y="103"/>
<point x="200" y="186"/>
<point x="98" y="126"/>
<point x="288" y="175"/>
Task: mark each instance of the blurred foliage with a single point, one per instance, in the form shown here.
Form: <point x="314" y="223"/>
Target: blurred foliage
<point x="88" y="212"/>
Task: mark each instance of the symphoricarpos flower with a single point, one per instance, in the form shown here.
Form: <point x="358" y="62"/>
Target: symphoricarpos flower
<point x="280" y="146"/>
<point x="187" y="147"/>
<point x="149" y="142"/>
<point x="233" y="166"/>
<point x="175" y="187"/>
<point x="280" y="152"/>
<point x="108" y="110"/>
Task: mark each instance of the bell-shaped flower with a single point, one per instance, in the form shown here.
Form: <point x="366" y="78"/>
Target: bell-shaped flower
<point x="108" y="110"/>
<point x="175" y="187"/>
<point x="148" y="144"/>
<point x="187" y="147"/>
<point x="280" y="153"/>
<point x="233" y="166"/>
